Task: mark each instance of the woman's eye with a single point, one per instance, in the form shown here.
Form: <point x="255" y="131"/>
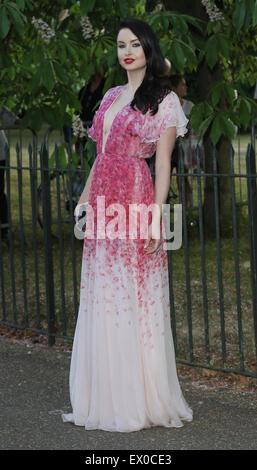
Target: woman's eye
<point x="134" y="45"/>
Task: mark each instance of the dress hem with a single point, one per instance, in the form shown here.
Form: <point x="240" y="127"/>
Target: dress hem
<point x="69" y="418"/>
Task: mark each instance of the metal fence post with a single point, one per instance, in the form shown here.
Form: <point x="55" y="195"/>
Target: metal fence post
<point x="252" y="217"/>
<point x="47" y="223"/>
<point x="219" y="263"/>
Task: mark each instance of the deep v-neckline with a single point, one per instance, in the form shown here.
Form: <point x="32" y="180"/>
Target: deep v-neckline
<point x="114" y="101"/>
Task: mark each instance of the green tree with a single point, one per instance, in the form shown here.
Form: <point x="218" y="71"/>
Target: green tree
<point x="226" y="61"/>
<point x="48" y="50"/>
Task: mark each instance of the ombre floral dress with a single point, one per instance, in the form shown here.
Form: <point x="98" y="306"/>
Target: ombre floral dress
<point x="123" y="372"/>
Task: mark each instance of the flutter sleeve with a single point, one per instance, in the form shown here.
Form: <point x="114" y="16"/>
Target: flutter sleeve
<point x="93" y="131"/>
<point x="170" y="114"/>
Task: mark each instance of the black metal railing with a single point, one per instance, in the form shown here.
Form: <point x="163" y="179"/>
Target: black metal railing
<point x="213" y="277"/>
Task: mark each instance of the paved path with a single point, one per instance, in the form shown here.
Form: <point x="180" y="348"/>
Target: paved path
<point x="34" y="392"/>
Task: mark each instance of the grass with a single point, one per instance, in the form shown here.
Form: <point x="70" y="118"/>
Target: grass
<point x="223" y="295"/>
<point x="22" y="304"/>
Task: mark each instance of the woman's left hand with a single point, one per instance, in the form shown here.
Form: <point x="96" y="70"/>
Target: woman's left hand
<point x="152" y="244"/>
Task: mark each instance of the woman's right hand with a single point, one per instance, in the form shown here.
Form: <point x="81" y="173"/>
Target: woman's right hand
<point x="152" y="243"/>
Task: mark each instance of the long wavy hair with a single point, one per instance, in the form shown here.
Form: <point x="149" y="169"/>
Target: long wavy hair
<point x="155" y="85"/>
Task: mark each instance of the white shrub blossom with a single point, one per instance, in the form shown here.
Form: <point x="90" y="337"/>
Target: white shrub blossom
<point x="212" y="11"/>
<point x="43" y="29"/>
<point x="87" y="28"/>
<point x="77" y="127"/>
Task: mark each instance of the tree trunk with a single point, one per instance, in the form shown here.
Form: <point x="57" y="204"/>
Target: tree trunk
<point x="206" y="79"/>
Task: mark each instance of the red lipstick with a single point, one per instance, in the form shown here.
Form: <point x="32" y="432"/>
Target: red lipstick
<point x="129" y="61"/>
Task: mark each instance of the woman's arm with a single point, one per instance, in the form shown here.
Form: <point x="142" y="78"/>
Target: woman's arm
<point x="85" y="194"/>
<point x="164" y="150"/>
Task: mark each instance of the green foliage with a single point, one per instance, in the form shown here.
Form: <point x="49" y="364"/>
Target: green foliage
<point x="238" y="15"/>
<point x="40" y="79"/>
<point x="86" y="6"/>
<point x="175" y="41"/>
<point x="231" y="44"/>
<point x="60" y="158"/>
<point x="40" y="76"/>
<point x="11" y="14"/>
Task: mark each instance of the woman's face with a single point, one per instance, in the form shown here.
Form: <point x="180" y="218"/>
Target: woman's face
<point x="181" y="89"/>
<point x="129" y="47"/>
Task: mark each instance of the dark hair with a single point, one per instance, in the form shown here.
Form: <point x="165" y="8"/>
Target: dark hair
<point x="155" y="85"/>
<point x="175" y="79"/>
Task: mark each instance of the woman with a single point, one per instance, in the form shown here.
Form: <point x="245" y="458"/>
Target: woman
<point x="179" y="86"/>
<point x="123" y="371"/>
<point x="191" y="144"/>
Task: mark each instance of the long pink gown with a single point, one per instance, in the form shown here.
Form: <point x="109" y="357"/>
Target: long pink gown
<point x="123" y="373"/>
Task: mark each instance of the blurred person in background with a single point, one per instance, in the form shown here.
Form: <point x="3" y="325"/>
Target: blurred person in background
<point x="186" y="146"/>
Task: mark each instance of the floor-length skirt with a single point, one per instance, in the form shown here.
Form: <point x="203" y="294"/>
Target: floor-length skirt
<point x="123" y="373"/>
